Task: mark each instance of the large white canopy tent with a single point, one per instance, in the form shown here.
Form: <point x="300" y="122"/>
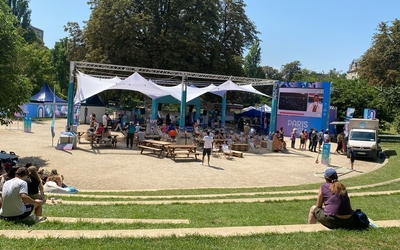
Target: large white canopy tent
<point x="148" y="89"/>
<point x="89" y="86"/>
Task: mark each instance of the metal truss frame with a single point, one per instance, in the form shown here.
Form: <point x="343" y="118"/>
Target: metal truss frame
<point x="109" y="70"/>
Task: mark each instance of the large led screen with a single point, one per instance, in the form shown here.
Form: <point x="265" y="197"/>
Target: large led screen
<point x="300" y="102"/>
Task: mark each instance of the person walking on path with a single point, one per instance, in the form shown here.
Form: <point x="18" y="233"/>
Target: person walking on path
<point x="339" y="148"/>
<point x="303" y="140"/>
<point x="314" y="141"/>
<point x="310" y="143"/>
<point x="293" y="138"/>
<point x="320" y="139"/>
<point x="352" y="158"/>
<point x="208" y="144"/>
<point x="333" y="208"/>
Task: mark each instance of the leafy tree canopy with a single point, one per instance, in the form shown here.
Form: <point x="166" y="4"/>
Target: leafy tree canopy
<point x="15" y="88"/>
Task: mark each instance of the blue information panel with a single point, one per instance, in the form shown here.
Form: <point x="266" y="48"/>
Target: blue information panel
<point x="326" y="150"/>
<point x="27" y="124"/>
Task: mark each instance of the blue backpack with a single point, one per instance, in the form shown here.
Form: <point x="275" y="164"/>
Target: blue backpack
<point x="361" y="221"/>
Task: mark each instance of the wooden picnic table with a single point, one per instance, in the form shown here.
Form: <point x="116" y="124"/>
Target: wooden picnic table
<point x="175" y="149"/>
<point x="94" y="137"/>
<point x="240" y="146"/>
<point x="155" y="146"/>
<point x="153" y="137"/>
<point x="220" y="141"/>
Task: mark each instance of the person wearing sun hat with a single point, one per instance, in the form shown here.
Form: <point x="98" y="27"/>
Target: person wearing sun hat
<point x="333" y="208"/>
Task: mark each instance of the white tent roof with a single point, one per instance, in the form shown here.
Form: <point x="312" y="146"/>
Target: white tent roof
<point x="248" y="108"/>
<point x="89" y="86"/>
<point x="191" y="93"/>
<point x="264" y="108"/>
<point x="223" y="88"/>
<point x="249" y="88"/>
<point x="136" y="82"/>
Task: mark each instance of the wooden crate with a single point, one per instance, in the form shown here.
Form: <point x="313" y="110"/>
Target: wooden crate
<point x="240" y="147"/>
<point x="263" y="144"/>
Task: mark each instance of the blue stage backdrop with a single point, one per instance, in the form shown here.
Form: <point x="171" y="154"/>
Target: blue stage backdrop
<point x="300" y="105"/>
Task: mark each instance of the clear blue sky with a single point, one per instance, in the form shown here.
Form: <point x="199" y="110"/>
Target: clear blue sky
<point x="322" y="35"/>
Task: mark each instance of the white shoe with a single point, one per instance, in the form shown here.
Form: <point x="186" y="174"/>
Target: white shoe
<point x="201" y="163"/>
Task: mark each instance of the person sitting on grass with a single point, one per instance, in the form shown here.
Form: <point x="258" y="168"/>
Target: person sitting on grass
<point x="55" y="177"/>
<point x="337" y="212"/>
<point x="35" y="188"/>
<point x="17" y="205"/>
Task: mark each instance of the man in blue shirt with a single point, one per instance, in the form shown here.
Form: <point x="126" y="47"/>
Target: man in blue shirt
<point x="130" y="127"/>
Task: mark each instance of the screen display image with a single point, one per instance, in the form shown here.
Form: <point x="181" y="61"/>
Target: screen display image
<point x="300" y="102"/>
<point x="293" y="101"/>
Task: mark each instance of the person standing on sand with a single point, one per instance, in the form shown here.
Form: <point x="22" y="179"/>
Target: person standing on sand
<point x="208" y="144"/>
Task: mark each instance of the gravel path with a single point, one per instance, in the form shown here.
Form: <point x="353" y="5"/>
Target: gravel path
<point x="102" y="168"/>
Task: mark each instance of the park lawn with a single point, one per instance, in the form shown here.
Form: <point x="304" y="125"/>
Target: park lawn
<point x="228" y="214"/>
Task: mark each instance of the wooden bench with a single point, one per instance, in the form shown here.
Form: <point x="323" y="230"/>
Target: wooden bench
<point x="112" y="140"/>
<point x="187" y="153"/>
<point x="237" y="153"/>
<point x="143" y="147"/>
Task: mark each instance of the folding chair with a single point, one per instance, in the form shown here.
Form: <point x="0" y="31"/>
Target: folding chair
<point x="226" y="151"/>
<point x="215" y="151"/>
<point x="254" y="148"/>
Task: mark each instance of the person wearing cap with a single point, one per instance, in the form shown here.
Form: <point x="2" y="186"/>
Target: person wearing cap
<point x="333" y="208"/>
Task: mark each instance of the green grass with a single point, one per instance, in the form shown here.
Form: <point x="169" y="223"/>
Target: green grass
<point x="384" y="238"/>
<point x="383" y="207"/>
<point x="229" y="214"/>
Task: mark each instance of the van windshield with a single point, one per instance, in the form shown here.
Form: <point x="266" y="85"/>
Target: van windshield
<point x="362" y="136"/>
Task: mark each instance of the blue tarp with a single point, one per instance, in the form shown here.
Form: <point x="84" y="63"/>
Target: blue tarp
<point x="251" y="113"/>
<point x="46" y="95"/>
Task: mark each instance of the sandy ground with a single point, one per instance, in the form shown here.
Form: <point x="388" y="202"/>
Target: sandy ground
<point x="102" y="168"/>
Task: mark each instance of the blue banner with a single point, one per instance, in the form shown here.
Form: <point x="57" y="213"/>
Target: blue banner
<point x="369" y="114"/>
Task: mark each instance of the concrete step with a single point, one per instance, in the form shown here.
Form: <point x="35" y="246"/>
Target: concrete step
<point x="180" y="232"/>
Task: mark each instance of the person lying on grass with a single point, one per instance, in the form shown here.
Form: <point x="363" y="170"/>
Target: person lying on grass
<point x="337" y="212"/>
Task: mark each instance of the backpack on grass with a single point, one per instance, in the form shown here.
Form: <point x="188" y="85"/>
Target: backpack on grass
<point x="361" y="221"/>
